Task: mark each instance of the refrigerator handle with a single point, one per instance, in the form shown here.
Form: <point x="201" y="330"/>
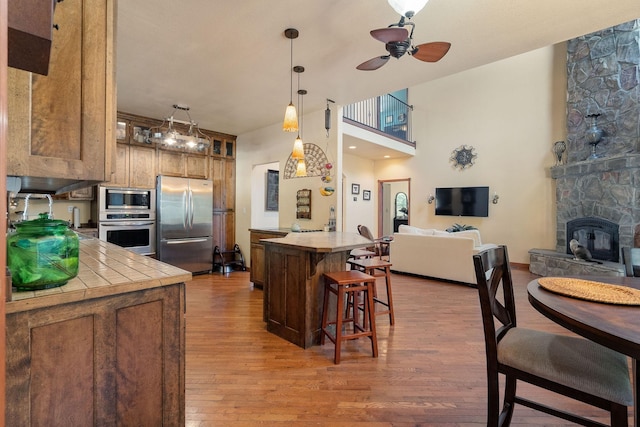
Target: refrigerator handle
<point x="185" y="209"/>
<point x="191" y="208"/>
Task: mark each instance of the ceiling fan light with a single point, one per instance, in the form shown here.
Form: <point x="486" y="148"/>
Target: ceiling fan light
<point x="407" y="8"/>
<point x="301" y="170"/>
<point x="298" y="149"/>
<point x="290" y="119"/>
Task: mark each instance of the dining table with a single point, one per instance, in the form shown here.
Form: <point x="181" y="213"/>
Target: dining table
<point x="615" y="325"/>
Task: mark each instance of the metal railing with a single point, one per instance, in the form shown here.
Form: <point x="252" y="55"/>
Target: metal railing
<point x="386" y="114"/>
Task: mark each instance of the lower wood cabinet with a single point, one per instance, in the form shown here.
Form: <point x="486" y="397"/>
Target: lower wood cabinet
<point x="224" y="230"/>
<point x="116" y="360"/>
<point x="293" y="291"/>
<point x="256" y="275"/>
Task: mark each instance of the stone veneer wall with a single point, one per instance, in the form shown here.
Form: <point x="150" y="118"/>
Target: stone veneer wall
<point x="603" y="78"/>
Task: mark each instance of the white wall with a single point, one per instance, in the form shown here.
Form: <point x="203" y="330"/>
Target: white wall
<point x="358" y="170"/>
<point x="511" y="112"/>
<point x="260" y="216"/>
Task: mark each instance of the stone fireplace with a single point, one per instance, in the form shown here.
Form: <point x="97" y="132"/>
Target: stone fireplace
<point x="603" y="70"/>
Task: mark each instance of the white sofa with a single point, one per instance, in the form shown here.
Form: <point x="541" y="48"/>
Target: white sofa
<point x="436" y="253"/>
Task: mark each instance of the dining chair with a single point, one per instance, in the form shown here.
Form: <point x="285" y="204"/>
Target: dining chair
<point x="567" y="365"/>
<point x="631" y="261"/>
<point x="381" y="245"/>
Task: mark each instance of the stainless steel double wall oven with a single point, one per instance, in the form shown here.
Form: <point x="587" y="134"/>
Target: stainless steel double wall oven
<point x="127" y="218"/>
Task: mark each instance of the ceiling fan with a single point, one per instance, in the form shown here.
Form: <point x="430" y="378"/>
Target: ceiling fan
<point x="399" y="41"/>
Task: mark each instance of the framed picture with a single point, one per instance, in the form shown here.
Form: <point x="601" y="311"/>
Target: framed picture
<point x="271" y="195"/>
<point x="366" y="195"/>
<point x="355" y="188"/>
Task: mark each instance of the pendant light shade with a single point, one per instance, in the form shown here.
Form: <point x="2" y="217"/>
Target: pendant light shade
<point x="298" y="146"/>
<point x="301" y="170"/>
<point x="407" y="8"/>
<point x="290" y="123"/>
<point x="298" y="149"/>
<point x="290" y="119"/>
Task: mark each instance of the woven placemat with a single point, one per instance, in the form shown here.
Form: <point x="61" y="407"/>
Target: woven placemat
<point x="591" y="290"/>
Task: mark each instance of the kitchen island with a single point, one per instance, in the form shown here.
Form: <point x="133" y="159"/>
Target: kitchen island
<point x="294" y="284"/>
<point x="107" y="348"/>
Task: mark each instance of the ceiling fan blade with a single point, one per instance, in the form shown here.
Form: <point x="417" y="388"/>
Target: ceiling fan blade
<point x="432" y="52"/>
<point x="386" y="35"/>
<point x="373" y="63"/>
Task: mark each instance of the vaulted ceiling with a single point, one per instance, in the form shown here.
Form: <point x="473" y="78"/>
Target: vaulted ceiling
<point x="230" y="61"/>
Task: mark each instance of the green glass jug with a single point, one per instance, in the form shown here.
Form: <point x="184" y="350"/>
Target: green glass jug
<point x="42" y="253"/>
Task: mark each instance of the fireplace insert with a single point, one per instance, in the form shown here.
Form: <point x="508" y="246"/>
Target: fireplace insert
<point x="598" y="235"/>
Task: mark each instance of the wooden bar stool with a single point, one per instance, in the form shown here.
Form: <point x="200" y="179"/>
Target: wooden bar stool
<point x="341" y="283"/>
<point x="377" y="267"/>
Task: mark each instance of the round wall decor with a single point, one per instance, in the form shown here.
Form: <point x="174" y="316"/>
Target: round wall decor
<point x="315" y="159"/>
<point x="463" y="157"/>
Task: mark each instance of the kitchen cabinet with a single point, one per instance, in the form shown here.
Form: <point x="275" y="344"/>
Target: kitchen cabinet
<point x="294" y="283"/>
<point x="223" y="147"/>
<point x="183" y="164"/>
<point x="105" y="349"/>
<point x="135" y="167"/>
<point x="256" y="274"/>
<point x="62" y="124"/>
<point x="223" y="175"/>
<point x="30" y="34"/>
<point x="224" y="230"/>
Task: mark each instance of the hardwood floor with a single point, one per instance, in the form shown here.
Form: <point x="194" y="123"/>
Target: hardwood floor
<point x="430" y="370"/>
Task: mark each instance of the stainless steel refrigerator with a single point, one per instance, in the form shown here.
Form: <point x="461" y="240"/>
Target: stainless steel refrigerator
<point x="184" y="209"/>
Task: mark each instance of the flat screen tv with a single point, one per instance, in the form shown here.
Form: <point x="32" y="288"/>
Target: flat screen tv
<point x="462" y="201"/>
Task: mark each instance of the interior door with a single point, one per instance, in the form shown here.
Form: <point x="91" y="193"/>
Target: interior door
<point x="387" y="190"/>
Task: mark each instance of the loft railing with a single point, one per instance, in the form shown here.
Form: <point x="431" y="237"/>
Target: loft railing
<point x="385" y="114"/>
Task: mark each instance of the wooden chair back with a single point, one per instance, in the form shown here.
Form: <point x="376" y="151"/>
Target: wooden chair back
<point x="493" y="275"/>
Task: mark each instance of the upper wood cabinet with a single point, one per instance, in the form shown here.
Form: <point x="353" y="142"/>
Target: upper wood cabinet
<point x="183" y="164"/>
<point x="61" y="126"/>
<point x="223" y="147"/>
<point x="135" y="167"/>
<point x="29" y="34"/>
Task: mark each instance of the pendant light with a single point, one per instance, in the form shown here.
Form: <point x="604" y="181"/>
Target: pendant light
<point x="290" y="123"/>
<point x="167" y="134"/>
<point x="298" y="147"/>
<point x="301" y="170"/>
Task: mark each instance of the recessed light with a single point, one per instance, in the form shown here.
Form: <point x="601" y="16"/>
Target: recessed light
<point x="352" y="147"/>
<point x="387" y="156"/>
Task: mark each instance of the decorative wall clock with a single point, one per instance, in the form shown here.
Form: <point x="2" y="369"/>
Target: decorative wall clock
<point x="463" y="157"/>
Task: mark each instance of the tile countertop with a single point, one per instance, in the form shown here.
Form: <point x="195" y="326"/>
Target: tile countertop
<point x="105" y="269"/>
<point x="323" y="241"/>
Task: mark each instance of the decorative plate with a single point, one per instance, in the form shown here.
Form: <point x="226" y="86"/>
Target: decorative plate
<point x="463" y="157"/>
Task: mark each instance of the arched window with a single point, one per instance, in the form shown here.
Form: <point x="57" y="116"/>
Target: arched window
<point x="402" y="208"/>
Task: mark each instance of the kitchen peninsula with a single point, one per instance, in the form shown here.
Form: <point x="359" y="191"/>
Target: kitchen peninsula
<point x="294" y="285"/>
<point x="107" y="348"/>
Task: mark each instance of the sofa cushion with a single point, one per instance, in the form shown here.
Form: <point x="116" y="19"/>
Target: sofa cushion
<point x="473" y="234"/>
<point x="409" y="229"/>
